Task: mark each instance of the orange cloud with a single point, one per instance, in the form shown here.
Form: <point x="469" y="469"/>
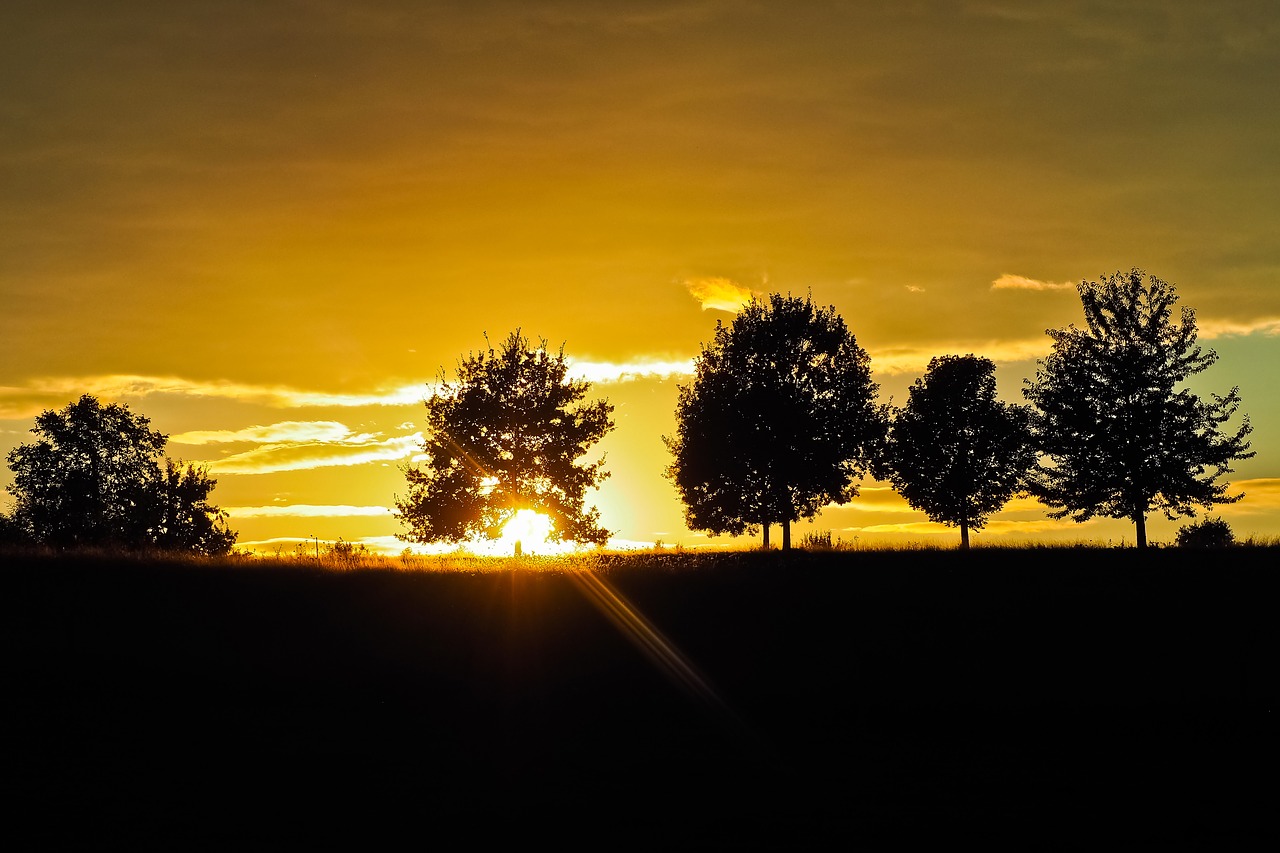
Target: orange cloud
<point x="1021" y="282"/>
<point x="25" y="401"/>
<point x="272" y="458"/>
<point x="721" y="294"/>
<point x="915" y="358"/>
<point x="1238" y="328"/>
<point x="331" y="432"/>
<point x="1260" y="495"/>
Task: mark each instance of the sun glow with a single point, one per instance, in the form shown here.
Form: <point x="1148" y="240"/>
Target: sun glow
<point x="528" y="533"/>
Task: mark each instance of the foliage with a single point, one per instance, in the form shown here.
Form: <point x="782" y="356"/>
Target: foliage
<point x="183" y="519"/>
<point x="955" y="452"/>
<point x="1209" y="532"/>
<point x="505" y="437"/>
<point x="95" y="479"/>
<point x="1121" y="439"/>
<point x="11" y="533"/>
<point x="780" y="420"/>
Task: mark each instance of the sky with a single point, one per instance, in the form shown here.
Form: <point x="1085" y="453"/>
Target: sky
<point x="271" y="227"/>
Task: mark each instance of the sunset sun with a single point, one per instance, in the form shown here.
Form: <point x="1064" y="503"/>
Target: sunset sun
<point x="527" y="533"/>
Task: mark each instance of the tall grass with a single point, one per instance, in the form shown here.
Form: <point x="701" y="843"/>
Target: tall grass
<point x="341" y="556"/>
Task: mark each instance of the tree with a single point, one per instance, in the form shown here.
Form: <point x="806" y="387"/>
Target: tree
<point x="1120" y="438"/>
<point x="954" y="451"/>
<point x="94" y="479"/>
<point x="503" y="438"/>
<point x="183" y="519"/>
<point x="780" y="420"/>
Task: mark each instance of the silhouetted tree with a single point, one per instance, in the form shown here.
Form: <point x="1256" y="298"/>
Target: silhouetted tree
<point x="94" y="478"/>
<point x="183" y="519"/>
<point x="955" y="452"/>
<point x="780" y="420"/>
<point x="503" y="438"/>
<point x="1121" y="439"/>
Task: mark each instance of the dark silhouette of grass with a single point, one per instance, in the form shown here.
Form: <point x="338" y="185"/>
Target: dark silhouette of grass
<point x="1018" y="698"/>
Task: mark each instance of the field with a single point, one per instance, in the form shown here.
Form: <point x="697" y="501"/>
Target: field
<point x="1032" y="699"/>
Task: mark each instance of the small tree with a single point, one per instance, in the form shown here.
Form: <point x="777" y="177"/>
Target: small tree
<point x="94" y="478"/>
<point x="1121" y="438"/>
<point x="955" y="452"/>
<point x="504" y="438"/>
<point x="780" y="420"/>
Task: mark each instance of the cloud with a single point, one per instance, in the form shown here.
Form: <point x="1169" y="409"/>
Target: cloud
<point x="1209" y="329"/>
<point x="22" y="402"/>
<point x="28" y="400"/>
<point x="915" y="358"/>
<point x="1021" y="282"/>
<point x="331" y="432"/>
<point x="606" y="372"/>
<point x="993" y="527"/>
<point x="721" y="294"/>
<point x="1260" y="495"/>
<point x="272" y="458"/>
<point x="878" y="498"/>
<point x="306" y="511"/>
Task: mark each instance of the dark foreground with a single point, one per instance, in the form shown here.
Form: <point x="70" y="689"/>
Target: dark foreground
<point x="1033" y="700"/>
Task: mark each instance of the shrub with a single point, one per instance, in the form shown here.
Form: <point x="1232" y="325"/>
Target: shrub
<point x="1209" y="533"/>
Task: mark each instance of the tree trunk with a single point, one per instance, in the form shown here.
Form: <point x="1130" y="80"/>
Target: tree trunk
<point x="1140" y="522"/>
<point x="964" y="535"/>
<point x="766" y="536"/>
<point x="786" y="534"/>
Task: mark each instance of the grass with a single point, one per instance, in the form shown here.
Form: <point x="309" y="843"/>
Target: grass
<point x="882" y="699"/>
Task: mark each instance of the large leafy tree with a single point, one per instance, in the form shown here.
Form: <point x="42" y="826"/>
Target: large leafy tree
<point x="95" y="479"/>
<point x="955" y="451"/>
<point x="506" y="436"/>
<point x="779" y="420"/>
<point x="1120" y="437"/>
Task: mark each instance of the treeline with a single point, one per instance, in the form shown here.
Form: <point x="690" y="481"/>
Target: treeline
<point x="781" y="418"/>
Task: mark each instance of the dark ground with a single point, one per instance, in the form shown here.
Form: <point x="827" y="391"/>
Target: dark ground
<point x="1046" y="699"/>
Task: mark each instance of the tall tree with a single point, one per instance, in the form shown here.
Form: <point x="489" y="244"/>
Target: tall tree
<point x="1121" y="437"/>
<point x="780" y="420"/>
<point x="505" y="437"/>
<point x="94" y="478"/>
<point x="955" y="451"/>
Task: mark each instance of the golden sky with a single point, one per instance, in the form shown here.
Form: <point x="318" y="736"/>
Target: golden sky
<point x="269" y="226"/>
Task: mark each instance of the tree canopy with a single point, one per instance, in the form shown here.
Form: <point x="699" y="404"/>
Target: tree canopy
<point x="95" y="478"/>
<point x="955" y="451"/>
<point x="779" y="420"/>
<point x="1119" y="436"/>
<point x="506" y="436"/>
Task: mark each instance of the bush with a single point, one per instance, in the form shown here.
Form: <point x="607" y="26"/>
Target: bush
<point x="1209" y="533"/>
